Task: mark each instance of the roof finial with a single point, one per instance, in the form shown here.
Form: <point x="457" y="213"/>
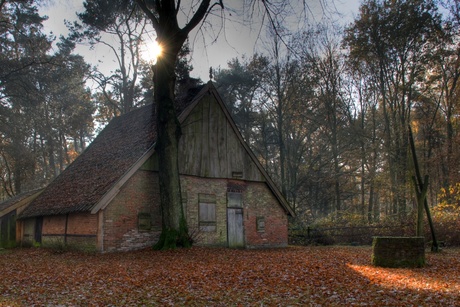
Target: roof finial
<point x="210" y="73"/>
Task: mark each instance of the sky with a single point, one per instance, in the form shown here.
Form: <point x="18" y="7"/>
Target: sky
<point x="236" y="38"/>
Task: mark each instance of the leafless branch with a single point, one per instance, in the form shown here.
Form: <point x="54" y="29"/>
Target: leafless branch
<point x="143" y="5"/>
<point x="199" y="15"/>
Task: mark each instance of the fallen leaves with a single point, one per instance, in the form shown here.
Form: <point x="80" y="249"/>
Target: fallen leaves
<point x="315" y="276"/>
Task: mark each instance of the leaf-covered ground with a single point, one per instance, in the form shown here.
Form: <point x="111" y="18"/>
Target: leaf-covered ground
<point x="311" y="276"/>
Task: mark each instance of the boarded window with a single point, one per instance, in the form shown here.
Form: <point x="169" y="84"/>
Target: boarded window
<point x="207" y="212"/>
<point x="234" y="200"/>
<point x="144" y="221"/>
<point x="260" y="220"/>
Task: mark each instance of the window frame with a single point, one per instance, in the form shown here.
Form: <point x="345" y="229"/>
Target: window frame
<point x="207" y="212"/>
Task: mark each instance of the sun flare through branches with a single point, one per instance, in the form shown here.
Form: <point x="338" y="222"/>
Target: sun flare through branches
<point x="151" y="51"/>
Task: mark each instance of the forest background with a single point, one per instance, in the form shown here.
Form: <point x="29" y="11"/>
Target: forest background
<point x="326" y="108"/>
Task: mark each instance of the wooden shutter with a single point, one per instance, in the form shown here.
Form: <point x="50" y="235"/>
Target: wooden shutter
<point x="207" y="212"/>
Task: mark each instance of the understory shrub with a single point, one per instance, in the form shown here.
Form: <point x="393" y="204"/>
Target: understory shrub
<point x="348" y="230"/>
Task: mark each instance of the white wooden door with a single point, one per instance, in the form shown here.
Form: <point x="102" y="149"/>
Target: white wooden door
<point x="235" y="227"/>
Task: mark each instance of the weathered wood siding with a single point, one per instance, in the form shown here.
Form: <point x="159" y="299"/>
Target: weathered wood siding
<point x="209" y="146"/>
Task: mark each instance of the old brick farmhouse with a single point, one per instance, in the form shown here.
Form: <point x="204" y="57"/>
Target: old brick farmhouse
<point x="108" y="198"/>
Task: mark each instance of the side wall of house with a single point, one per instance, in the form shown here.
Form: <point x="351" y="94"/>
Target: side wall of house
<point x="258" y="204"/>
<point x="192" y="189"/>
<point x="262" y="209"/>
<point x="124" y="219"/>
<point x="132" y="220"/>
<point x="76" y="229"/>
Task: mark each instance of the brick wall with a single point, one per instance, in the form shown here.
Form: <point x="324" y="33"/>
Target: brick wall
<point x="81" y="230"/>
<point x="258" y="201"/>
<point x="191" y="188"/>
<point x="77" y="224"/>
<point x="82" y="223"/>
<point x="53" y="225"/>
<point x="140" y="194"/>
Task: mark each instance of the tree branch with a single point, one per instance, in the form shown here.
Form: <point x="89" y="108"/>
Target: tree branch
<point x="149" y="13"/>
<point x="197" y="17"/>
<point x="177" y="7"/>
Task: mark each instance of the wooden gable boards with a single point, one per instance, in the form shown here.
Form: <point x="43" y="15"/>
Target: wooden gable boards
<point x="211" y="146"/>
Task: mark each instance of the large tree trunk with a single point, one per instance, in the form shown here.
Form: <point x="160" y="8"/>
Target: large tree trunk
<point x="163" y="15"/>
<point x="174" y="230"/>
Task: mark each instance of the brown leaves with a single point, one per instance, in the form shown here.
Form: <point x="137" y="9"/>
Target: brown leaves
<point x="215" y="276"/>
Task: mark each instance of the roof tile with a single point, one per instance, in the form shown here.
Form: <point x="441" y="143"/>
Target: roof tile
<point x="119" y="145"/>
<point x="111" y="154"/>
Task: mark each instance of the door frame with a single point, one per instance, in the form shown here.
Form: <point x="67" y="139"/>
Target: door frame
<point x="239" y="234"/>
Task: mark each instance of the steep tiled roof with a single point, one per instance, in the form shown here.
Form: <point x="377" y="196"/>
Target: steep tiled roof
<point x="111" y="154"/>
<point x="118" y="146"/>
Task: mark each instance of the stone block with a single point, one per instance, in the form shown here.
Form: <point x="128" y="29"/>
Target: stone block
<point x="398" y="252"/>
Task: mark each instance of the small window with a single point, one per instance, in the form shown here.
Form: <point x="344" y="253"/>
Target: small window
<point x="234" y="200"/>
<point x="144" y="221"/>
<point x="260" y="220"/>
<point x="207" y="212"/>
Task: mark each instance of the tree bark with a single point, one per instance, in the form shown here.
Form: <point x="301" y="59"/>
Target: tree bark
<point x="174" y="231"/>
<point x="163" y="15"/>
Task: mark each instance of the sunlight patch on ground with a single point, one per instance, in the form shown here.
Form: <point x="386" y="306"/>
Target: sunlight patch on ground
<point x="414" y="279"/>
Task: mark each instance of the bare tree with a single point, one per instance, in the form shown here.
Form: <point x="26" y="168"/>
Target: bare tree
<point x="124" y="36"/>
<point x="173" y="21"/>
